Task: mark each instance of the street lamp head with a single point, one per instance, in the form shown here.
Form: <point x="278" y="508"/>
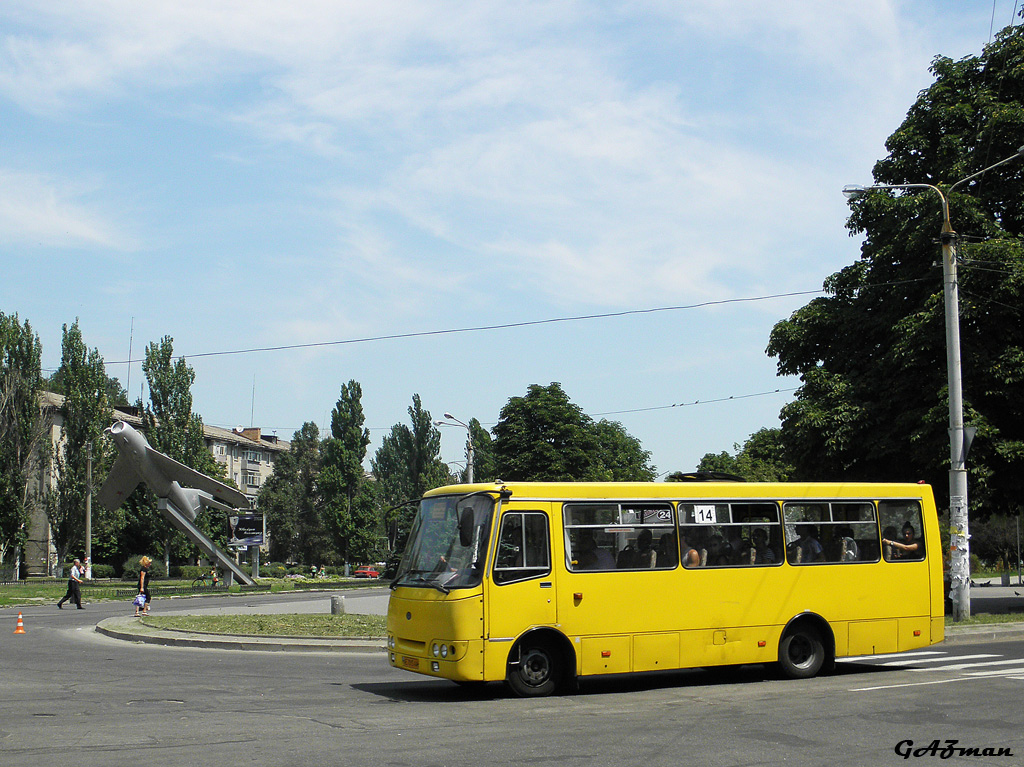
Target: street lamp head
<point x="449" y="416"/>
<point x="852" y="191"/>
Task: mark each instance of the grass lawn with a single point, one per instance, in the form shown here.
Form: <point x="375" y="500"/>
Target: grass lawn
<point x="984" y="619"/>
<point x="306" y="625"/>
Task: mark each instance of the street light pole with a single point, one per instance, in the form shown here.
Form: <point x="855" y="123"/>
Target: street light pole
<point x="469" y="442"/>
<point x="959" y="438"/>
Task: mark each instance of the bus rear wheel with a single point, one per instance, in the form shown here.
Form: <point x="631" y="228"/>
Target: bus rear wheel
<point x="538" y="671"/>
<point x="801" y="653"/>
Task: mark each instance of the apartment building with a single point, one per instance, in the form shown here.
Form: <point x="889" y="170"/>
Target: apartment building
<point x="247" y="455"/>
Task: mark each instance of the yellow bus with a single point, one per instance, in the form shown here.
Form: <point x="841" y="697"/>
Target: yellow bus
<point x="538" y="583"/>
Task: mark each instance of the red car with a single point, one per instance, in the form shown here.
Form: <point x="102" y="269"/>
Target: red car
<point x="366" y="571"/>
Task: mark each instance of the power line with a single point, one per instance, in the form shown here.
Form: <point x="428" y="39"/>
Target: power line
<point x="697" y="402"/>
<point x="731" y="398"/>
<point x="482" y="328"/>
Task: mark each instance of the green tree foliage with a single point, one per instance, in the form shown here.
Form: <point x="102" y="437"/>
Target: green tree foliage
<point x="115" y="393"/>
<point x="759" y="459"/>
<point x="21" y="429"/>
<point x="172" y="428"/>
<point x="543" y="436"/>
<point x="406" y="465"/>
<point x="348" y="507"/>
<point x="289" y="499"/>
<point x="995" y="540"/>
<point x="483" y="454"/>
<point x="86" y="412"/>
<point x="871" y="355"/>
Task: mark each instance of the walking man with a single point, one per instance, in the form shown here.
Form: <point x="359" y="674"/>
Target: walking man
<point x="74" y="587"/>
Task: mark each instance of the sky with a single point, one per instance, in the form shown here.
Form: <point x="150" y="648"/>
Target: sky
<point x="451" y="200"/>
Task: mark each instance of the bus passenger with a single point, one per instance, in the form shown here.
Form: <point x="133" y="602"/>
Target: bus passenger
<point x="718" y="551"/>
<point x="667" y="555"/>
<point x="589" y="556"/>
<point x="909" y="547"/>
<point x="847" y="546"/>
<point x="887" y="540"/>
<point x="646" y="555"/>
<point x="806" y="548"/>
<point x="763" y="553"/>
<point x="691" y="557"/>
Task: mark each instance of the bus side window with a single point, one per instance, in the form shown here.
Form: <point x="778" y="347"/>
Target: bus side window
<point x="902" y="531"/>
<point x="523" y="550"/>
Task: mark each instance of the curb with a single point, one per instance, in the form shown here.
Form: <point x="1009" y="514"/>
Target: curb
<point x="995" y="632"/>
<point x="129" y="629"/>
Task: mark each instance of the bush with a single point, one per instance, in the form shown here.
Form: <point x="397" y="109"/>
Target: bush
<point x="102" y="571"/>
<point x="130" y="569"/>
<point x="273" y="570"/>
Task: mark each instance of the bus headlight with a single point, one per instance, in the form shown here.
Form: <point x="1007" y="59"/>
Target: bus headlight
<point x="436" y="650"/>
<point x="444" y="651"/>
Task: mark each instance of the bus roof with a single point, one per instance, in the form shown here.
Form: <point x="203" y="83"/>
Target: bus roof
<point x="704" y="489"/>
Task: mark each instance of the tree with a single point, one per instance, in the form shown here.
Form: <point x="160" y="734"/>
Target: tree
<point x="347" y="508"/>
<point x="170" y="427"/>
<point x="543" y="436"/>
<point x="85" y="413"/>
<point x="756" y="460"/>
<point x="620" y="456"/>
<point x="406" y="465"/>
<point x="289" y="498"/>
<point x="22" y="432"/>
<point x="483" y="454"/>
<point x="995" y="540"/>
<point x="871" y="354"/>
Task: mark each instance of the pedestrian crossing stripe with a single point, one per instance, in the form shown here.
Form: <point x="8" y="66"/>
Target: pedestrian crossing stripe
<point x="862" y="658"/>
<point x="942" y="659"/>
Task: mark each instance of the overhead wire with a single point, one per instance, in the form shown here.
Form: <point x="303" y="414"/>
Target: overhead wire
<point x="483" y="328"/>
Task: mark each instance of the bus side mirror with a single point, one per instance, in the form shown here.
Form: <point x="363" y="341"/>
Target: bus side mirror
<point x="466" y="528"/>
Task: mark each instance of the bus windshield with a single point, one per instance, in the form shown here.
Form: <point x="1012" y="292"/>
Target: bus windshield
<point x="447" y="546"/>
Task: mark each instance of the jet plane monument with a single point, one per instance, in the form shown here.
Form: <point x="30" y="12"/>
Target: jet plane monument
<point x="182" y="492"/>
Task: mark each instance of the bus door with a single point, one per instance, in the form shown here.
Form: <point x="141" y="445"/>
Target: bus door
<point x="522" y="593"/>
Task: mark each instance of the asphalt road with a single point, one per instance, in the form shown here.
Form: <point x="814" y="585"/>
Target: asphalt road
<point x="70" y="695"/>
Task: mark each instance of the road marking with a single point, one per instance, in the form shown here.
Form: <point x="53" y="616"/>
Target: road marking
<point x="943" y="659"/>
<point x="962" y="666"/>
<point x="996" y="672"/>
<point x="860" y="658"/>
<point x="978" y="669"/>
<point x="894" y="686"/>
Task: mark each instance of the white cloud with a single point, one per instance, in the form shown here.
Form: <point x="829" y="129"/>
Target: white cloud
<point x="38" y="210"/>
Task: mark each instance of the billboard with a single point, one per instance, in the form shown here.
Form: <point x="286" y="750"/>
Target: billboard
<point x="245" y="530"/>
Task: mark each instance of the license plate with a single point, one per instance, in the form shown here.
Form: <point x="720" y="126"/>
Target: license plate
<point x="410" y="662"/>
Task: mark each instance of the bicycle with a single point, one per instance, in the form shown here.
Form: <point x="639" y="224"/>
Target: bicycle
<point x="206" y="581"/>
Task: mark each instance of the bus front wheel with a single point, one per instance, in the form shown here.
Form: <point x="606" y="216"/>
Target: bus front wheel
<point x="801" y="652"/>
<point x="538" y="671"/>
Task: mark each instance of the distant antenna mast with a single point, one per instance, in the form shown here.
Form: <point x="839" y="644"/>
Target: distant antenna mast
<point x="252" y="410"/>
<point x="128" y="381"/>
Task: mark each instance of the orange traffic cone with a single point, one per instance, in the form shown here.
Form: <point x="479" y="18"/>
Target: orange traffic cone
<point x="20" y="628"/>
